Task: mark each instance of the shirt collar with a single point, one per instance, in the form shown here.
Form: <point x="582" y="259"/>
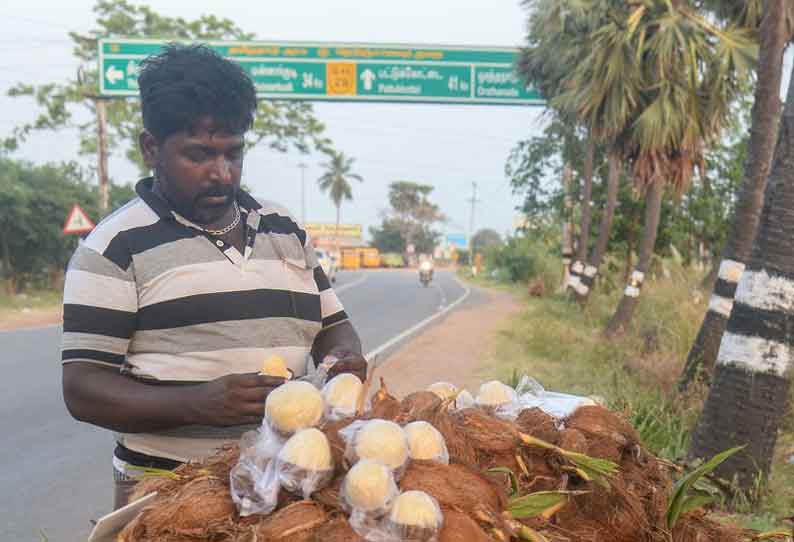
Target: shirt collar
<point x="164" y="209"/>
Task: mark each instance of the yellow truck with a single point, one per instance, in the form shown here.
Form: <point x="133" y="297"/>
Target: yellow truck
<point x="370" y="257"/>
<point x="351" y="259"/>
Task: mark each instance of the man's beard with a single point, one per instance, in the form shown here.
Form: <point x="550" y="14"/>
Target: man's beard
<point x="193" y="210"/>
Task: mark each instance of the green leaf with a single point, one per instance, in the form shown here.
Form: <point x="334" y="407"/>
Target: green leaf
<point x="534" y="504"/>
<point x="694" y="502"/>
<point x="679" y="498"/>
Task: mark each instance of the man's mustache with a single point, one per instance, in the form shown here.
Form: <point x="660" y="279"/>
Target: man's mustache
<point x="222" y="190"/>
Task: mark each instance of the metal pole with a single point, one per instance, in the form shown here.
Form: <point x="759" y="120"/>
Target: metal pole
<point x="471" y="223"/>
<point x="303" y="167"/>
<point x="102" y="157"/>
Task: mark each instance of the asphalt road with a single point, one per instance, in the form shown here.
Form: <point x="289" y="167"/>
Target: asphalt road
<point x="55" y="473"/>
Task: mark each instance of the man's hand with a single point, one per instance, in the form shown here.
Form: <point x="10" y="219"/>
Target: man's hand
<point x="349" y="363"/>
<point x="235" y="399"/>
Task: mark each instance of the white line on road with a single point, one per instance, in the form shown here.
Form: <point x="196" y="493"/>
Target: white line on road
<point x="413" y="329"/>
<point x="443" y="296"/>
<point x="351" y="284"/>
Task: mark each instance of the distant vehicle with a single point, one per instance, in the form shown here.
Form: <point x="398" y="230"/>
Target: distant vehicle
<point x="392" y="259"/>
<point x="426" y="272"/>
<point x="327" y="262"/>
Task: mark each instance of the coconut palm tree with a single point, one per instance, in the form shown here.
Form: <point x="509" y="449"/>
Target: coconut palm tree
<point x="754" y="367"/>
<point x="658" y="82"/>
<point x="775" y="32"/>
<point x="336" y="181"/>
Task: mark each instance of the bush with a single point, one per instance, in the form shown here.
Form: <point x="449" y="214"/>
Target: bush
<point x="523" y="259"/>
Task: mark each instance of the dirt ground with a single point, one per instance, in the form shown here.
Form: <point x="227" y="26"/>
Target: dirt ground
<point x="451" y="350"/>
<point x="18" y="319"/>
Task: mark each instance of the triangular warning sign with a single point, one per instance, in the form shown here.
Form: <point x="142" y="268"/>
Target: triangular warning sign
<point x="78" y="221"/>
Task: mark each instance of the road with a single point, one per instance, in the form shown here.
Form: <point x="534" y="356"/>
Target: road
<point x="55" y="473"/>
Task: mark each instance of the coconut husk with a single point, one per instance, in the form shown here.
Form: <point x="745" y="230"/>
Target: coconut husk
<point x="337" y="530"/>
<point x="486" y="433"/>
<point x="596" y="422"/>
<point x="330" y="496"/>
<point x="458" y="527"/>
<point x="335" y="441"/>
<point x="696" y="527"/>
<point x="203" y="508"/>
<point x="535" y="422"/>
<point x="296" y="522"/>
<point x="460" y="449"/>
<point x="573" y="440"/>
<point x="384" y="405"/>
<point x="418" y="406"/>
<point x="454" y="486"/>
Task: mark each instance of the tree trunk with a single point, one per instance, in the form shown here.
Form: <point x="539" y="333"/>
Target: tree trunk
<point x="653" y="211"/>
<point x="567" y="226"/>
<point x="336" y="234"/>
<point x="753" y="372"/>
<point x="8" y="271"/>
<point x="587" y="280"/>
<point x="760" y="149"/>
<point x="580" y="261"/>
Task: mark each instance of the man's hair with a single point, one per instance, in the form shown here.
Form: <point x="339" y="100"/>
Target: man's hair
<point x="184" y="83"/>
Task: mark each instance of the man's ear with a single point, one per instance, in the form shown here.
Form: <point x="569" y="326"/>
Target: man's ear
<point x="149" y="148"/>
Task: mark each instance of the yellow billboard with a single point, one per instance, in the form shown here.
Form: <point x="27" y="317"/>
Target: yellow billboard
<point x="319" y="230"/>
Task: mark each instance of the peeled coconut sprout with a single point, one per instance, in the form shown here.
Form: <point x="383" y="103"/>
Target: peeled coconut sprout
<point x="342" y="392"/>
<point x="305" y="462"/>
<point x="275" y="366"/>
<point x="368" y="486"/>
<point x="444" y="390"/>
<point x="494" y="394"/>
<point x="417" y="513"/>
<point x="382" y="441"/>
<point x="292" y="406"/>
<point x="426" y="442"/>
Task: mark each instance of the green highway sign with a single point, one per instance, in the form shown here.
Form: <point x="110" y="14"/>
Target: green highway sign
<point x="345" y="72"/>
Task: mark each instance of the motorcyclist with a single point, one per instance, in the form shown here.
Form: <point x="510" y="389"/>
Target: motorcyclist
<point x="426" y="266"/>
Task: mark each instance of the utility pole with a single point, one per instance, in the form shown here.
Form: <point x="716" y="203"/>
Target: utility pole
<point x="473" y="201"/>
<point x="102" y="153"/>
<point x="303" y="167"/>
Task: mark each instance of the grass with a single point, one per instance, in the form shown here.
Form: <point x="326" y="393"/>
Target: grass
<point x="32" y="300"/>
<point x="562" y="346"/>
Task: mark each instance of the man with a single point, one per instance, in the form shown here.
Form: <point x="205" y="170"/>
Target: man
<point x="173" y="302"/>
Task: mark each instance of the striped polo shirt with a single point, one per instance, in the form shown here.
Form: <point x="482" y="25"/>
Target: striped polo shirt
<point x="159" y="298"/>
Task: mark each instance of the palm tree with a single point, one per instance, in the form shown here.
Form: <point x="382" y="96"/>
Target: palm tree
<point x="774" y="35"/>
<point x="754" y="368"/>
<point x="336" y="181"/>
<point x="658" y="83"/>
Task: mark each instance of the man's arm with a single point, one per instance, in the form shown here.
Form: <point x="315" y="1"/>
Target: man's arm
<point x="103" y="396"/>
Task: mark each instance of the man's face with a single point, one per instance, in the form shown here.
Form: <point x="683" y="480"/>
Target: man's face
<point x="198" y="171"/>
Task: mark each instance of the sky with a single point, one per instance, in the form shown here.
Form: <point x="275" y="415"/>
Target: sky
<point x="447" y="146"/>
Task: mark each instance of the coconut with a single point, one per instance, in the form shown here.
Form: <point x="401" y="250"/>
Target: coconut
<point x="295" y="522"/>
<point x="275" y="366"/>
<point x="494" y="394"/>
<point x="535" y="422"/>
<point x="484" y="432"/>
<point x="337" y="530"/>
<point x="415" y="516"/>
<point x="369" y="487"/>
<point x="384" y="405"/>
<point x="459" y="527"/>
<point x="418" y="406"/>
<point x="304" y="463"/>
<point x="341" y="395"/>
<point x="425" y="442"/>
<point x="292" y="406"/>
<point x="444" y="390"/>
<point x="464" y="399"/>
<point x="383" y="441"/>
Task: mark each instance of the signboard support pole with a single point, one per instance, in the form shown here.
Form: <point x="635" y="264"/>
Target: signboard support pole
<point x="102" y="157"/>
<point x="471" y="223"/>
<point x="303" y="192"/>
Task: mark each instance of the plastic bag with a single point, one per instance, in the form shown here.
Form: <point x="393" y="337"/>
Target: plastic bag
<point x="463" y="400"/>
<point x="444" y="390"/>
<point x="499" y="399"/>
<point x="379" y="440"/>
<point x="560" y="405"/>
<point x="414" y="516"/>
<point x="304" y="464"/>
<point x="317" y="375"/>
<point x="254" y="480"/>
<point x="368" y="492"/>
<point x="426" y="443"/>
<point x="341" y="395"/>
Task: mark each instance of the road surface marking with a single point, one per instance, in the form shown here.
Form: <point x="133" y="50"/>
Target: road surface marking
<point x="413" y="329"/>
<point x="351" y="284"/>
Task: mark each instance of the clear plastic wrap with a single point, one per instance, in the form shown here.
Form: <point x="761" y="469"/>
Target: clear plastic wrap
<point x="426" y="443"/>
<point x="304" y="463"/>
<point x="293" y="406"/>
<point x="464" y="399"/>
<point x="379" y="440"/>
<point x="499" y="399"/>
<point x="341" y="395"/>
<point x="368" y="492"/>
<point x="444" y="390"/>
<point x="414" y="516"/>
<point x="254" y="479"/>
<point x="560" y="405"/>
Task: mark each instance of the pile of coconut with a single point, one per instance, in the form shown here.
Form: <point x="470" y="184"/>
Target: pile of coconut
<point x="440" y="465"/>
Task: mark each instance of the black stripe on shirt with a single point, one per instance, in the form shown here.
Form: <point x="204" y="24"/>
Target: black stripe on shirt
<point x="321" y="280"/>
<point x="133" y="241"/>
<point x="92" y="355"/>
<point x="226" y="306"/>
<point x="98" y="321"/>
<point x="334" y="319"/>
<point x="275" y="223"/>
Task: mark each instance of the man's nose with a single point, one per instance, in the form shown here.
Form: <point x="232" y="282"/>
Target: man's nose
<point x="221" y="171"/>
